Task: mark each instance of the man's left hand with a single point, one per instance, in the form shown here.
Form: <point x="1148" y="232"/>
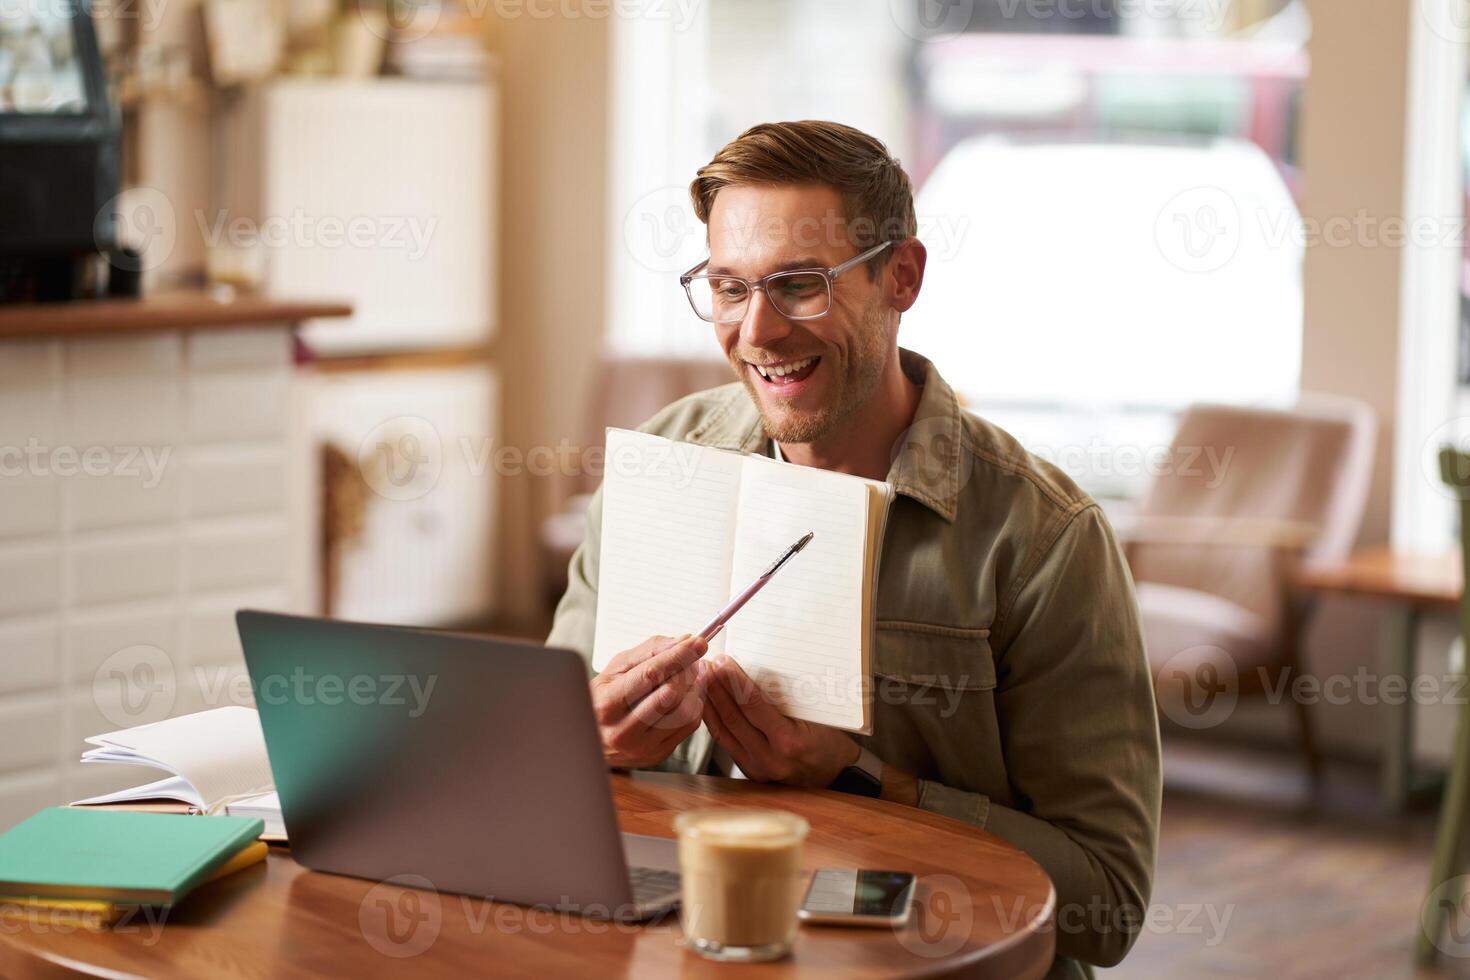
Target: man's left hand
<point x="765" y="744"/>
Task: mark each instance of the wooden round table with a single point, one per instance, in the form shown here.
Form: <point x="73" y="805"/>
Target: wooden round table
<point x="984" y="909"/>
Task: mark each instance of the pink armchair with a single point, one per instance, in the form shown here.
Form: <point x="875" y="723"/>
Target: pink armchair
<point x="1247" y="494"/>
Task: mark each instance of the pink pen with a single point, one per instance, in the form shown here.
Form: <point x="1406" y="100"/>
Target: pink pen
<point x="718" y="623"/>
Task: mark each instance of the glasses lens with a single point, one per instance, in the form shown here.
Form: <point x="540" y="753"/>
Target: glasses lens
<point x="800" y="294"/>
<point x="718" y="299"/>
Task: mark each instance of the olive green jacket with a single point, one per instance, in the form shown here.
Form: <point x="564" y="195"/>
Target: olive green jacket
<point x="1009" y="669"/>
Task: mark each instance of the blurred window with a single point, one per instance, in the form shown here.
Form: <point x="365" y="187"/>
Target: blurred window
<point x="1105" y="187"/>
<point x="1080" y="294"/>
<point x="39" y="69"/>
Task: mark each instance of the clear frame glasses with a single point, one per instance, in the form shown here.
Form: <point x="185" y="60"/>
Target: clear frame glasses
<point x="797" y="294"/>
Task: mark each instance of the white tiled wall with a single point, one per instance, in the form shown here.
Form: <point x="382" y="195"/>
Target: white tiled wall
<point x="129" y="555"/>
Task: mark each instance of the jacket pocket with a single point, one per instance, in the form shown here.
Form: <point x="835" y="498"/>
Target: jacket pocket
<point x="950" y="657"/>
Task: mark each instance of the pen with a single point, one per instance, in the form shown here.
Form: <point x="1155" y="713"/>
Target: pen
<point x="712" y="629"/>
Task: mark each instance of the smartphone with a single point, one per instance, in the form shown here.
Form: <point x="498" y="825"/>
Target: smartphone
<point x="850" y="897"/>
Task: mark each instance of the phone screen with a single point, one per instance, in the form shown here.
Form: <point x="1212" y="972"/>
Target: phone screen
<point x="853" y="892"/>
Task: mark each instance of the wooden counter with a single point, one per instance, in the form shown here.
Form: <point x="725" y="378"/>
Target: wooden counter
<point x="166" y="311"/>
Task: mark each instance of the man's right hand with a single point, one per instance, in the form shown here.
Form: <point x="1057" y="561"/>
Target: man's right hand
<point x="648" y="700"/>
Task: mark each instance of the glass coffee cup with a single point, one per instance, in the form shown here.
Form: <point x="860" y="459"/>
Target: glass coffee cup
<point x="740" y="873"/>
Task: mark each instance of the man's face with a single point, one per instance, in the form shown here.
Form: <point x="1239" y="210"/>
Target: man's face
<point x="758" y="229"/>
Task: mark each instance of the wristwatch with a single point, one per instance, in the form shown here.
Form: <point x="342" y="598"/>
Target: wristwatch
<point x="863" y="778"/>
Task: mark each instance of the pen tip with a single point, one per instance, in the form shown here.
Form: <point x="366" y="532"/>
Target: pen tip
<point x="803" y="542"/>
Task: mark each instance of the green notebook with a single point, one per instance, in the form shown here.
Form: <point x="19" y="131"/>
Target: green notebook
<point x="117" y="856"/>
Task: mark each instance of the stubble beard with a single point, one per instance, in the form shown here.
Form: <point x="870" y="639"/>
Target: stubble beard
<point x="868" y="355"/>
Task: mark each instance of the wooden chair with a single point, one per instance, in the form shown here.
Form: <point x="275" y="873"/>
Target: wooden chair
<point x="1449" y="850"/>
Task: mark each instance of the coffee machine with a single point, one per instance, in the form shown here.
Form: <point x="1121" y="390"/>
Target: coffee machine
<point x="60" y="148"/>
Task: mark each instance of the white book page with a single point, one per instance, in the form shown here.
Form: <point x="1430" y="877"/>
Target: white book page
<point x="220" y="752"/>
<point x="169" y="788"/>
<point x="668" y="528"/>
<point x="267" y="808"/>
<point x="801" y="636"/>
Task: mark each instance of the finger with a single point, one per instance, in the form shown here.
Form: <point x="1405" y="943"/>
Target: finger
<point x="747" y="764"/>
<point x="650" y="711"/>
<point x="669" y="744"/>
<point x="671" y="705"/>
<point x="757" y="707"/>
<point x="732" y="720"/>
<point x="636" y="655"/>
<point x="691" y="696"/>
<point x="691" y="678"/>
<point x="608" y="702"/>
<point x="636" y="683"/>
<point x="691" y="709"/>
<point x="677" y="701"/>
<point x="701" y="676"/>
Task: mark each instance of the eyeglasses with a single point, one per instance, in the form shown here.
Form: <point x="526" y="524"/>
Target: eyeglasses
<point x="797" y="294"/>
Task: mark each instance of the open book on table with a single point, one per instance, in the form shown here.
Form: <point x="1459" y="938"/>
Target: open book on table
<point x="686" y="527"/>
<point x="216" y="761"/>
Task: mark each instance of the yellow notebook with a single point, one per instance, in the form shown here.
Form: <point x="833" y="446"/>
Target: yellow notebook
<point x="93" y="914"/>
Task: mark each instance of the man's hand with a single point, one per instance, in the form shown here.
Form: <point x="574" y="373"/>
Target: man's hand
<point x="764" y="743"/>
<point x="647" y="700"/>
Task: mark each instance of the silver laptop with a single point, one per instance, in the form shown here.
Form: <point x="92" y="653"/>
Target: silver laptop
<point x="471" y="761"/>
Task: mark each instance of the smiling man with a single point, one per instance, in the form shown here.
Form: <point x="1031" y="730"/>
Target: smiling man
<point x="1011" y="687"/>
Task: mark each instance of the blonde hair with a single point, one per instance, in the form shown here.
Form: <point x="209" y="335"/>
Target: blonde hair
<point x="877" y="197"/>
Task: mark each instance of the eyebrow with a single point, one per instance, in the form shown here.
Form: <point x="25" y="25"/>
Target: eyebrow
<point x="807" y="262"/>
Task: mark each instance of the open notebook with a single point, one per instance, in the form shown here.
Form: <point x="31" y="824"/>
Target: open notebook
<point x="686" y="527"/>
<point x="217" y="760"/>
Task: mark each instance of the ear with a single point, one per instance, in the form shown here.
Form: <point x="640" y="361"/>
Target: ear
<point x="905" y="273"/>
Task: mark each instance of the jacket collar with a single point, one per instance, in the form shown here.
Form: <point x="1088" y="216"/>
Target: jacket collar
<point x="926" y="464"/>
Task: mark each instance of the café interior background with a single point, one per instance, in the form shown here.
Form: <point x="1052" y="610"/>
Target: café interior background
<point x="1130" y="206"/>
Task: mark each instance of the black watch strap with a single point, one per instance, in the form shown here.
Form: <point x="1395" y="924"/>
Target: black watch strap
<point x="862" y="778"/>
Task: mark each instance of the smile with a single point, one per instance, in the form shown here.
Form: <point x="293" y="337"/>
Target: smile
<point x="787" y="372"/>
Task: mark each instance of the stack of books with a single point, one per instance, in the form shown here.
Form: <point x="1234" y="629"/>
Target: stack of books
<point x="91" y="867"/>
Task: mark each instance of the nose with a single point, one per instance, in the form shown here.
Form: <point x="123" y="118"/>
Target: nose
<point x="763" y="324"/>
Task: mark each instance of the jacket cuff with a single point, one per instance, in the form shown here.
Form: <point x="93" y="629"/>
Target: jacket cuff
<point x="972" y="808"/>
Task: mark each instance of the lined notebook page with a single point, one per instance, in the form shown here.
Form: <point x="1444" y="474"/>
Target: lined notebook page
<point x="668" y="532"/>
<point x="801" y="636"/>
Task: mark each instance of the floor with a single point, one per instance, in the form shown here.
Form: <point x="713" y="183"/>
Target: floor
<point x="1252" y="882"/>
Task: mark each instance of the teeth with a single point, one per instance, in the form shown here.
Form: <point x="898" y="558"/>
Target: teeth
<point x="769" y="371"/>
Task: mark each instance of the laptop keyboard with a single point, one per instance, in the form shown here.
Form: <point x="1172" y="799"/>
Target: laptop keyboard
<point x="653" y="885"/>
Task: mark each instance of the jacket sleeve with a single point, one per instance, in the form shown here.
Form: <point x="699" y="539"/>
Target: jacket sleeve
<point x="1076" y="706"/>
<point x="575" y="624"/>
